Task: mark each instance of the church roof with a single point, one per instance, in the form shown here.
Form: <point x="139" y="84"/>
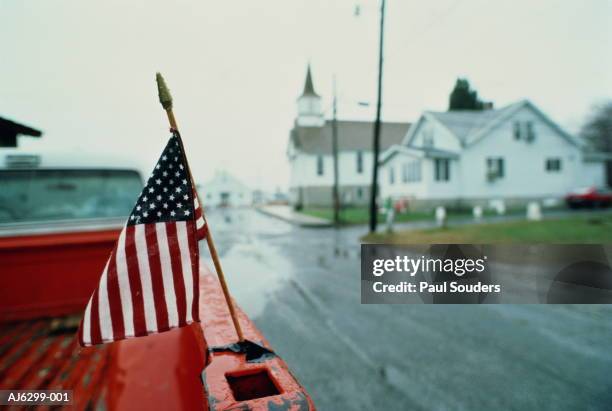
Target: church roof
<point x="308" y="85"/>
<point x="352" y="136"/>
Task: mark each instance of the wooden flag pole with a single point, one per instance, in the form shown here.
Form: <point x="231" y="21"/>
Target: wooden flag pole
<point x="166" y="101"/>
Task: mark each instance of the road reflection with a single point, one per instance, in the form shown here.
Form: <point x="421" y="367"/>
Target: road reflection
<point x="302" y="289"/>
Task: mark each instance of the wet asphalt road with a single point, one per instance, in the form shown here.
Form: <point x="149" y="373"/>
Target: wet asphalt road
<point x="302" y="289"/>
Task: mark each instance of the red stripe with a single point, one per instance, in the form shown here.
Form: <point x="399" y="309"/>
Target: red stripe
<point x="177" y="273"/>
<point x="157" y="283"/>
<point x="195" y="269"/>
<point x="81" y="341"/>
<point x="94" y="322"/>
<point x="140" y="325"/>
<point x="114" y="300"/>
<point x="202" y="232"/>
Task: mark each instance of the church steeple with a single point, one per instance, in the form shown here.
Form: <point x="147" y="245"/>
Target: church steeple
<point x="309" y="105"/>
<point x="308" y="86"/>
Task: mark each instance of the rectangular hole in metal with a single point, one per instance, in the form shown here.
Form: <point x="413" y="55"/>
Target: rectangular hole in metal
<point x="252" y="385"/>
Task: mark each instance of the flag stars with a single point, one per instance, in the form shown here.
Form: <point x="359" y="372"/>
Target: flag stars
<point x="171" y="181"/>
<point x="152" y="206"/>
<point x="158" y="181"/>
<point x="171" y="197"/>
<point x="184" y="181"/>
<point x="177" y="174"/>
<point x="165" y="205"/>
<point x="164" y="158"/>
<point x="187" y="212"/>
<point x="159" y="213"/>
<point x="145" y="199"/>
<point x="145" y="214"/>
<point x="178" y="189"/>
<point x="159" y="198"/>
<point x="138" y="208"/>
<point x="181" y="166"/>
<point x="165" y="173"/>
<point x="165" y="189"/>
<point x="172" y="213"/>
<point x="179" y="205"/>
<point x="186" y="197"/>
<point x="151" y="189"/>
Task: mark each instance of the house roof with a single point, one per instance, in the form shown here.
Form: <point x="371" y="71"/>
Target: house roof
<point x="352" y="136"/>
<point x="466" y="124"/>
<point x="469" y="126"/>
<point x="10" y="127"/>
<point x="422" y="152"/>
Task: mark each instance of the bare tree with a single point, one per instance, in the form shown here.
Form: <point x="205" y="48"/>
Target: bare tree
<point x="598" y="128"/>
<point x="598" y="132"/>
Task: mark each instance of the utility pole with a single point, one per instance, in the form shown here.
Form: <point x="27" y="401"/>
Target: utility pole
<point x="376" y="148"/>
<point x="336" y="195"/>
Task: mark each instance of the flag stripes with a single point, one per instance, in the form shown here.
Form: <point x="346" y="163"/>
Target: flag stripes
<point x="149" y="284"/>
<point x="201" y="229"/>
<point x="144" y="269"/>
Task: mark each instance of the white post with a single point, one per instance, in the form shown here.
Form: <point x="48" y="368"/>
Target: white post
<point x="390" y="219"/>
<point x="499" y="206"/>
<point x="441" y="216"/>
<point x="477" y="212"/>
<point x="534" y="212"/>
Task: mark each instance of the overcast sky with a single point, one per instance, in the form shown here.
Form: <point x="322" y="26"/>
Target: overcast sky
<point x="83" y="72"/>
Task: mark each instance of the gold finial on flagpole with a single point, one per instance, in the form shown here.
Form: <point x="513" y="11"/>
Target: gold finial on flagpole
<point x="165" y="98"/>
<point x="166" y="101"/>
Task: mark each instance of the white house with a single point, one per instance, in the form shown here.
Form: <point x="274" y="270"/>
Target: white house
<point x="311" y="160"/>
<point x="515" y="153"/>
<point x="223" y="190"/>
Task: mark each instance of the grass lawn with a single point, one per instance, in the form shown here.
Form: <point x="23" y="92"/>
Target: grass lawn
<point x="361" y="215"/>
<point x="583" y="229"/>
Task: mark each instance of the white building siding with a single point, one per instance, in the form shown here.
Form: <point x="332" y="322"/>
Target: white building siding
<point x="440" y="137"/>
<point x="401" y="189"/>
<point x="304" y="170"/>
<point x="525" y="172"/>
<point x="225" y="190"/>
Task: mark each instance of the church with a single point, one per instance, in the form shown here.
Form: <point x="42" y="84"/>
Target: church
<point x="310" y="154"/>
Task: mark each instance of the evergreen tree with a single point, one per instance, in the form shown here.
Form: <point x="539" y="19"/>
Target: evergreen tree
<point x="463" y="97"/>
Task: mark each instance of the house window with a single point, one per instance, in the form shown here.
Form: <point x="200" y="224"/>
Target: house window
<point x="517" y="130"/>
<point x="359" y="192"/>
<point x="411" y="172"/>
<point x="553" y="165"/>
<point x="529" y="131"/>
<point x="495" y="168"/>
<point x="442" y="169"/>
<point x="319" y="165"/>
<point x="391" y="175"/>
<point x="360" y="162"/>
<point x="524" y="131"/>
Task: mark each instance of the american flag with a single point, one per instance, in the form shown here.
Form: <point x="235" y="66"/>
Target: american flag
<point x="150" y="282"/>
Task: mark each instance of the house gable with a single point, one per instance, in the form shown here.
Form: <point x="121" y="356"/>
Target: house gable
<point x="430" y="133"/>
<point x="522" y="111"/>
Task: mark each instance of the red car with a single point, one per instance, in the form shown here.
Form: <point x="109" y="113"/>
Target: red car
<point x="589" y="197"/>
